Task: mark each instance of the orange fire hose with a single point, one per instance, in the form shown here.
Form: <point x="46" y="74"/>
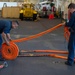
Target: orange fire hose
<point x="39" y="34"/>
<point x="41" y="55"/>
<point x="45" y="51"/>
<point x="66" y="33"/>
<point x="12" y="51"/>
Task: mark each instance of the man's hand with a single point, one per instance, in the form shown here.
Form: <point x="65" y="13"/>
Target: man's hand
<point x="8" y="43"/>
<point x="8" y="36"/>
<point x="10" y="39"/>
<point x="63" y="23"/>
<point x="5" y="38"/>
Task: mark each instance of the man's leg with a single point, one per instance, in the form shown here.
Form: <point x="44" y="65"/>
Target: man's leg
<point x="0" y="46"/>
<point x="71" y="47"/>
<point x="4" y="64"/>
<point x="1" y="66"/>
<point x="1" y="58"/>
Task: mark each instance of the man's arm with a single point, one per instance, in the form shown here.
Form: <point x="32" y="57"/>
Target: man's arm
<point x="71" y="21"/>
<point x="8" y="36"/>
<point x="4" y="36"/>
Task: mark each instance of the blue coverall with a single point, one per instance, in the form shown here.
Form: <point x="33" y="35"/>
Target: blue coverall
<point x="71" y="43"/>
<point x="5" y="26"/>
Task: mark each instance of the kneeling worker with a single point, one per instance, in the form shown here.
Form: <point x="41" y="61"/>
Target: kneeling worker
<point x="5" y="27"/>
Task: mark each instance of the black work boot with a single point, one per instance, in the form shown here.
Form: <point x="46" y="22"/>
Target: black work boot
<point x="67" y="63"/>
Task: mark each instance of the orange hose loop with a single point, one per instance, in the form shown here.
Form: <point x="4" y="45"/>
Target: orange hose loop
<point x="10" y="52"/>
<point x="46" y="51"/>
<point x="66" y="33"/>
<point x="39" y="34"/>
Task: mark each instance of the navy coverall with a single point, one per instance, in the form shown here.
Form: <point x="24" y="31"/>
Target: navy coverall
<point x="5" y="26"/>
<point x="71" y="43"/>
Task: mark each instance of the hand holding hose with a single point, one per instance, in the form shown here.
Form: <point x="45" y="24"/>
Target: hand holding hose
<point x="7" y="43"/>
<point x="63" y="23"/>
